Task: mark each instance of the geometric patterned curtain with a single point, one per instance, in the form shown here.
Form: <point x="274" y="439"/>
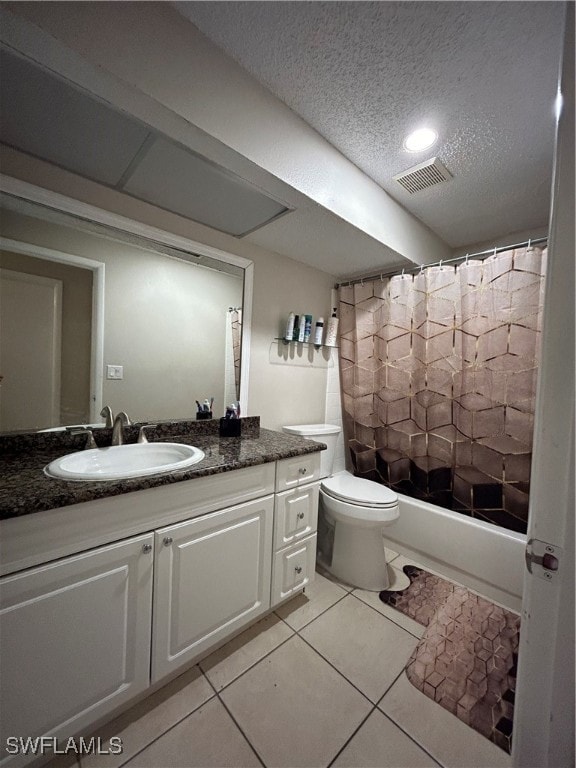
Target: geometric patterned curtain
<point x="438" y="375"/>
<point x="236" y="323"/>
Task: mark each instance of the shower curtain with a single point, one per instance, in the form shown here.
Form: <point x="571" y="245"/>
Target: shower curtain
<point x="233" y="353"/>
<point x="438" y="375"/>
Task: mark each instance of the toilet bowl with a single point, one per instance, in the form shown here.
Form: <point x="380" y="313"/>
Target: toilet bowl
<point x="351" y="517"/>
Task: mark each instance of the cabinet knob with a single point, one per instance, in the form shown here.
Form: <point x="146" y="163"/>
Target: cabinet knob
<point x="298" y="568"/>
<point x="168" y="540"/>
<point x="302" y="470"/>
<point x="146" y="548"/>
<point x="300" y="515"/>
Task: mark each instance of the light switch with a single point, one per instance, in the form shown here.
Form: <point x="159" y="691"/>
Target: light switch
<point x="114" y="371"/>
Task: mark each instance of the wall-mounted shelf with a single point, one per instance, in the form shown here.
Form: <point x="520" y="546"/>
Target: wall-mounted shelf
<point x="306" y="343"/>
<point x="301" y="353"/>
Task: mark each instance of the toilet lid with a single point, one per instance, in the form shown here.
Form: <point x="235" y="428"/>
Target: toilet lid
<point x="355" y="490"/>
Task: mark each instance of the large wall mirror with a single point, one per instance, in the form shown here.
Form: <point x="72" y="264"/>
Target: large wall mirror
<point x="98" y="310"/>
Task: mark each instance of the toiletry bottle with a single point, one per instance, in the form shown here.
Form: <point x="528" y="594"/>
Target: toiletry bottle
<point x="302" y="328"/>
<point x="289" y="327"/>
<point x="296" y="328"/>
<point x="318" y="331"/>
<point x="307" y="327"/>
<point x="332" y="332"/>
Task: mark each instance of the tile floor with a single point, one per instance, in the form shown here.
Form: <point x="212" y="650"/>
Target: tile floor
<point x="319" y="682"/>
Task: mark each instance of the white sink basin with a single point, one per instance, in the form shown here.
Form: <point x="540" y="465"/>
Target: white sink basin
<point x="123" y="461"/>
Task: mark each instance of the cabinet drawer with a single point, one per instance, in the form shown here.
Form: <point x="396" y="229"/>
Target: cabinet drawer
<point x="296" y="514"/>
<point x="294" y="568"/>
<point x="290" y="473"/>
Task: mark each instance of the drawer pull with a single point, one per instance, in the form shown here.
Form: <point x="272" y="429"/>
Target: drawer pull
<point x="300" y="515"/>
<point x="302" y="470"/>
<point x="298" y="568"/>
<point x="168" y="540"/>
<point x="146" y="548"/>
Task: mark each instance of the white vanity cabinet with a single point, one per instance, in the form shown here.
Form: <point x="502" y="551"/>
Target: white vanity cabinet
<point x="295" y="524"/>
<point x="74" y="640"/>
<point x="211" y="577"/>
<point x="105" y="598"/>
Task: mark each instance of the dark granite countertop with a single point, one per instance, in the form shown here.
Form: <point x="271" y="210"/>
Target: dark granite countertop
<point x="24" y="488"/>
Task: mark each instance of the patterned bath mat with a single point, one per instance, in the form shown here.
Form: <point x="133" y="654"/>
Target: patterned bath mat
<point x="466" y="659"/>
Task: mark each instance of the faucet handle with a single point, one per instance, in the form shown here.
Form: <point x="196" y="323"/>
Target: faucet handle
<point x="142" y="432"/>
<point x="90" y="442"/>
<point x="108" y="415"/>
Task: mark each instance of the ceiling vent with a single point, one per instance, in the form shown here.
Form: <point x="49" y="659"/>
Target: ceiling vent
<point x="424" y="175"/>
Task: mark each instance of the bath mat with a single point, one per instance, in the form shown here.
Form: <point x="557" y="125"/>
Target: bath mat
<point x="466" y="659"/>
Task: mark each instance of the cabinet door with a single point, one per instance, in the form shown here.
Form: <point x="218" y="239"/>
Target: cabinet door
<point x="296" y="515"/>
<point x="294" y="568"/>
<point x="212" y="576"/>
<point x="74" y="640"/>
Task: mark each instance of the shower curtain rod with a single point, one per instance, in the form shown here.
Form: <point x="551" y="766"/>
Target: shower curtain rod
<point x="421" y="267"/>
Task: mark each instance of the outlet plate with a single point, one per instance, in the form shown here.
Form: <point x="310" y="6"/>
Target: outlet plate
<point x="115" y="372"/>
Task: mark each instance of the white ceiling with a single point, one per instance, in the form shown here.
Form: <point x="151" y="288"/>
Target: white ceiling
<point x="363" y="74"/>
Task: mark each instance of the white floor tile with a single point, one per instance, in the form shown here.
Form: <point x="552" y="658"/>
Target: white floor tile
<point x="367" y="648"/>
<point x="319" y="596"/>
<point x="149" y="719"/>
<point x="390" y="554"/>
<point x="373" y="600"/>
<point x="381" y="744"/>
<point x="227" y="663"/>
<point x="450" y="741"/>
<point x="205" y="739"/>
<point x="294" y="708"/>
<point x="327" y="575"/>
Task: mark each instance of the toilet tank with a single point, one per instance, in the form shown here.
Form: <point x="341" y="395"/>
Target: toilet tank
<point x="323" y="433"/>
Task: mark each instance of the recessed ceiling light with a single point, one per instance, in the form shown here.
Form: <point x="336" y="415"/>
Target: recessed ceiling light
<point x="420" y="140"/>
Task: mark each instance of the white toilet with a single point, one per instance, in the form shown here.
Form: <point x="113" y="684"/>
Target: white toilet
<point x="352" y="515"/>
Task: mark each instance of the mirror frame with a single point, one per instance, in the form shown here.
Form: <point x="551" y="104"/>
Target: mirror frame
<point x="54" y="200"/>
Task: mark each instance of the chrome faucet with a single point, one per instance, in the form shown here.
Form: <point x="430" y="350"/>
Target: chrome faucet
<point x="108" y="415"/>
<point x="120" y="422"/>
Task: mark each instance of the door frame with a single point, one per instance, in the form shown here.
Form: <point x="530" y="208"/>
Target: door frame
<point x="97" y="335"/>
<point x="544" y="707"/>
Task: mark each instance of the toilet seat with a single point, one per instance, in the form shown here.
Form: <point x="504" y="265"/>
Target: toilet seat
<point x="359" y="492"/>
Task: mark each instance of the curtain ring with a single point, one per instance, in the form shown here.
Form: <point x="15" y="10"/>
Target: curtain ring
<point x="440" y="263"/>
<point x="402" y="275"/>
<point x="466" y="262"/>
<point x="529" y="242"/>
<point x="381" y="277"/>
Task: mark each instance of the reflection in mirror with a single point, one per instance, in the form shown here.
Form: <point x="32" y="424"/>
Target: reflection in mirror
<point x="93" y="316"/>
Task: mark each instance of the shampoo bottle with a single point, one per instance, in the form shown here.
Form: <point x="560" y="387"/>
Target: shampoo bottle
<point x="332" y="332"/>
<point x="307" y="327"/>
<point x="318" y="331"/>
<point x="302" y="328"/>
<point x="289" y="327"/>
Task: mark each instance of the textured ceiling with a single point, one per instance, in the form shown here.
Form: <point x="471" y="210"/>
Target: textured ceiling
<point x="363" y="74"/>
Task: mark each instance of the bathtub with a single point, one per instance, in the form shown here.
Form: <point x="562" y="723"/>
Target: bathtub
<point x="484" y="557"/>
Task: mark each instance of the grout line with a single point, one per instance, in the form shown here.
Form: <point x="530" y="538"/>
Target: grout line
<point x="352" y="735"/>
<point x="412" y="739"/>
<point x="237" y="724"/>
<point x="336" y="669"/>
<point x="385" y="616"/>
<point x="245" y="671"/>
<point x="177" y="722"/>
